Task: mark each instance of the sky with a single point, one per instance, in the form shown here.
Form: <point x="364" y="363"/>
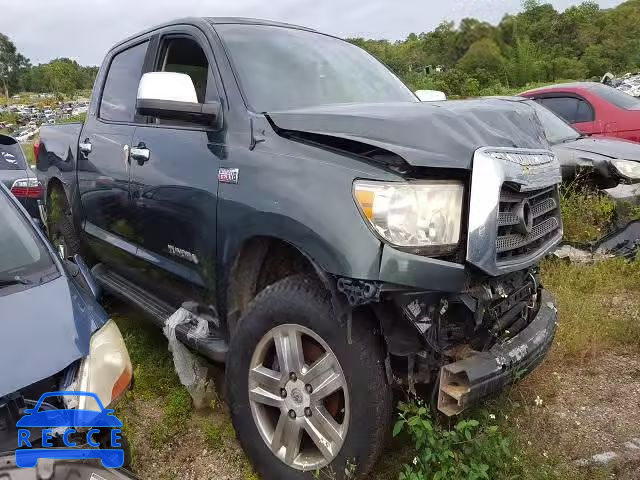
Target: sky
<point x="85" y="29"/>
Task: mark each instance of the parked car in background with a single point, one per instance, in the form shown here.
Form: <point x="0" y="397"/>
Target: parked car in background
<point x="54" y="336"/>
<point x="17" y="176"/>
<point x="337" y="237"/>
<point x="610" y="164"/>
<point x="592" y="108"/>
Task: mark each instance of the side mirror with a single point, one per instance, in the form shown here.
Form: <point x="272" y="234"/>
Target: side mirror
<point x="430" y="95"/>
<point x="171" y="95"/>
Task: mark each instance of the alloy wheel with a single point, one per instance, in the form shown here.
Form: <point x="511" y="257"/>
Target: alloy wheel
<point x="299" y="397"/>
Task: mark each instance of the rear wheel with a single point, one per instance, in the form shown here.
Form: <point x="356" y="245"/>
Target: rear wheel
<point x="302" y="398"/>
<point x="60" y="227"/>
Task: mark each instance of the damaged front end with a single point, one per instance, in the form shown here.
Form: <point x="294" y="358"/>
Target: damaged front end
<point x="472" y="344"/>
<point x="469" y="330"/>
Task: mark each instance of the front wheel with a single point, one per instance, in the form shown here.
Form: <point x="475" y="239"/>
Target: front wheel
<point x="302" y="398"/>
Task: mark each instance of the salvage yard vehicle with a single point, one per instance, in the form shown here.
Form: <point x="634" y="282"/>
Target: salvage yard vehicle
<point x="609" y="164"/>
<point x="54" y="335"/>
<point x="592" y="108"/>
<point x="17" y="176"/>
<point x="336" y="236"/>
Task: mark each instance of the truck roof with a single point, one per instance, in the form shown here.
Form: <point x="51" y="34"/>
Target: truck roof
<point x="212" y="21"/>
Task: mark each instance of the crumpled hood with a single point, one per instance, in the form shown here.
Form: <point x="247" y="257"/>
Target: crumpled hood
<point x="43" y="330"/>
<point x="432" y="134"/>
<point x="608" y="147"/>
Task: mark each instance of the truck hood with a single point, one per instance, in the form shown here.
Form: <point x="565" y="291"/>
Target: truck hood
<point x="607" y="147"/>
<point x="43" y="330"/>
<point x="434" y="134"/>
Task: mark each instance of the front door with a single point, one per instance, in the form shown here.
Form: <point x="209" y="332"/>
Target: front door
<point x="174" y="185"/>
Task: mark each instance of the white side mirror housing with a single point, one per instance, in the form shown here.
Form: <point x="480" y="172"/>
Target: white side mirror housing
<point x="430" y="95"/>
<point x="168" y="86"/>
<point x="171" y="95"/>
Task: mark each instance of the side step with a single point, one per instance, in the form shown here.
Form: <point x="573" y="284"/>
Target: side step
<point x="213" y="346"/>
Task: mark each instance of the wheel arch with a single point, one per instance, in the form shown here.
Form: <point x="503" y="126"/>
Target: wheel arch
<point x="261" y="261"/>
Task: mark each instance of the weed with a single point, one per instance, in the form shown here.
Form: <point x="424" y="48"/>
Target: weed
<point x="470" y="450"/>
<point x="154" y="372"/>
<point x="213" y="435"/>
<point x="586" y="215"/>
<point x="177" y="412"/>
<point x="598" y="305"/>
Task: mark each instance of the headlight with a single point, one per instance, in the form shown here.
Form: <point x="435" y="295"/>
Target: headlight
<point x="106" y="371"/>
<point x="413" y="214"/>
<point x="628" y="168"/>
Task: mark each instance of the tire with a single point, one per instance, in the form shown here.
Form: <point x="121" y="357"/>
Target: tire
<point x="60" y="224"/>
<point x="299" y="302"/>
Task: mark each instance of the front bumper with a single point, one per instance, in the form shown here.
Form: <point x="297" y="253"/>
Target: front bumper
<point x="465" y="382"/>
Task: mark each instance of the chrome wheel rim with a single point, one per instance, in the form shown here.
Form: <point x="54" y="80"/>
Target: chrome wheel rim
<point x="298" y="397"/>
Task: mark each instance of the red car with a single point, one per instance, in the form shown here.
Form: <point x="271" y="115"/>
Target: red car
<point x="592" y="108"/>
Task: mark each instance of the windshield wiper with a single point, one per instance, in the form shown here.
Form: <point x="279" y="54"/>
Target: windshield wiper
<point x="5" y="282"/>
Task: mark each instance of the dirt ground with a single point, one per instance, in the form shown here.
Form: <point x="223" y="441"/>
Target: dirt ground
<point x="586" y="409"/>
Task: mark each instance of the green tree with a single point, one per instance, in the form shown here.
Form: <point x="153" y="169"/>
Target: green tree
<point x="484" y="54"/>
<point x="12" y="64"/>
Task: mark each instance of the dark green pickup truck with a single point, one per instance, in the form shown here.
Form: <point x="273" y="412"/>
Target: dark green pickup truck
<point x="338" y="237"/>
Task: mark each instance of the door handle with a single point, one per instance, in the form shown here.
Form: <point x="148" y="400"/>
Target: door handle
<point x="140" y="153"/>
<point x="85" y="147"/>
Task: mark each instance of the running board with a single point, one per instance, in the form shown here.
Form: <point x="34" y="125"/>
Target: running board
<point x="213" y="346"/>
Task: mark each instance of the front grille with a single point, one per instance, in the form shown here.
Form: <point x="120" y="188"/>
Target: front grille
<point x="512" y="243"/>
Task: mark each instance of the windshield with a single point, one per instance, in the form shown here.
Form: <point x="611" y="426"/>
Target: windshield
<point x="617" y="97"/>
<point x="22" y="252"/>
<point x="284" y="68"/>
<point x="11" y="156"/>
<point x="555" y="129"/>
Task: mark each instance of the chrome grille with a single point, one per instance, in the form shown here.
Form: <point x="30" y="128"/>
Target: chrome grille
<point x="514" y="244"/>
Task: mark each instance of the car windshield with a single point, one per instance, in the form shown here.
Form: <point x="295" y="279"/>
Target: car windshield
<point x="555" y="129"/>
<point x="285" y="68"/>
<point x="11" y="156"/>
<point x="23" y="255"/>
<point x="618" y="98"/>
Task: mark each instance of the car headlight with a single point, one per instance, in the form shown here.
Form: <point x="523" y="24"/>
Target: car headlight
<point x="628" y="168"/>
<point x="106" y="371"/>
<point x="413" y="214"/>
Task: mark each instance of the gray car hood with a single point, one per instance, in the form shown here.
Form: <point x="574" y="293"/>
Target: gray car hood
<point x="607" y="147"/>
<point x="43" y="330"/>
<point x="433" y="134"/>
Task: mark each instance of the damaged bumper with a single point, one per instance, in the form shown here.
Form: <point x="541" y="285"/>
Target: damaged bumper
<point x="481" y="374"/>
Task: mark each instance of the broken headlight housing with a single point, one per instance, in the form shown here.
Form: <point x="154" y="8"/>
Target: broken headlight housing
<point x="628" y="168"/>
<point x="420" y="214"/>
<point x="106" y="371"/>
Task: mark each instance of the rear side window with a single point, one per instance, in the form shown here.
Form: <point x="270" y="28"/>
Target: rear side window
<point x="121" y="86"/>
<point x="618" y="98"/>
<point x="11" y="156"/>
<point x="571" y="109"/>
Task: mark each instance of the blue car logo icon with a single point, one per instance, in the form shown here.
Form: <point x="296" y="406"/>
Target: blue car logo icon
<point x="69" y="420"/>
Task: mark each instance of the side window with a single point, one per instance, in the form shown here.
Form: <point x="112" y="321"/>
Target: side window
<point x="565" y="107"/>
<point x="118" y="101"/>
<point x="585" y="112"/>
<point x="184" y="55"/>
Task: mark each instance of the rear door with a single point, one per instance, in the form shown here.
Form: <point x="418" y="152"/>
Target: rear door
<point x="103" y="163"/>
<point x="174" y="190"/>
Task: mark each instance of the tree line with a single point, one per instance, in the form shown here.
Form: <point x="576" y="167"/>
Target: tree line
<point x="537" y="45"/>
<point x="59" y="76"/>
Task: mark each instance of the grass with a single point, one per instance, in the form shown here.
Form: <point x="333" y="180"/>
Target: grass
<point x="598" y="304"/>
<point x="586" y="215"/>
<point x="27" y="148"/>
